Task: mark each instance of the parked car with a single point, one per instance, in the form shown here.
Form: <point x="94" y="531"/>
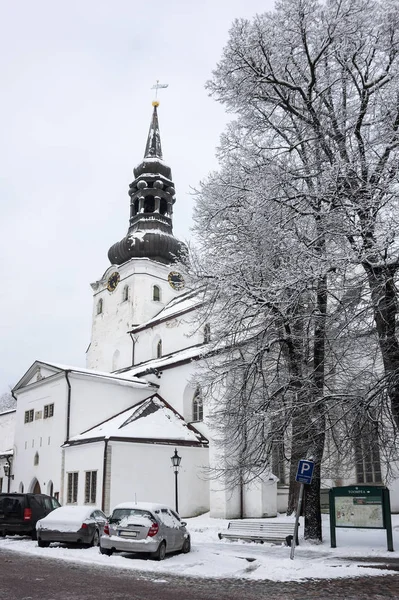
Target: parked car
<point x="71" y="524"/>
<point x="19" y="513"/>
<point x="147" y="528"/>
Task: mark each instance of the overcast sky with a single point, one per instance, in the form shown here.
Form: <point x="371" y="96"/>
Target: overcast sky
<point x="75" y="107"/>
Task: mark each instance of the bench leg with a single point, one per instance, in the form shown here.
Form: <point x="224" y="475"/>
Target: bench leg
<point x="288" y="540"/>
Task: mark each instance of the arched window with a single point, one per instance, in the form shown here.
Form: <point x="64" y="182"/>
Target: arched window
<point x="125" y="295"/>
<point x="100" y="306"/>
<point x="156" y="293"/>
<point x="36" y="459"/>
<point x="207" y="333"/>
<point x="198" y="408"/>
<point x="159" y="349"/>
<point x="21" y="488"/>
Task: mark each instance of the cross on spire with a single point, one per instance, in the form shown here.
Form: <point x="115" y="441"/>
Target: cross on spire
<point x="156" y="87"/>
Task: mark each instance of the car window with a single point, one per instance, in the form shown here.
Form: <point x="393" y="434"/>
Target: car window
<point x="48" y="503"/>
<point x="11" y="506"/>
<point x="120" y="513"/>
<point x="55" y="503"/>
<point x="169" y="519"/>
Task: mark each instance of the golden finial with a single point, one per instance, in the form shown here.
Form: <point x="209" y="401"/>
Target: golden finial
<point x="157" y="87"/>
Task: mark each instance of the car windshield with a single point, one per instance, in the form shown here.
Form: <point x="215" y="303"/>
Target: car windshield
<point x="121" y="513"/>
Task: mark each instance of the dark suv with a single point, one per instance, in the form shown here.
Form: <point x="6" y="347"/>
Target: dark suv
<point x="19" y="513"/>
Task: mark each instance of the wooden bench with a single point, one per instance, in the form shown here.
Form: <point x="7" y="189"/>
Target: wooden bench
<point x="259" y="531"/>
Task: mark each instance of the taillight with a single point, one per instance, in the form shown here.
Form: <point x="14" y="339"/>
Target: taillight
<point x="106" y="529"/>
<point x="27" y="514"/>
<point x="84" y="526"/>
<point x="153" y="530"/>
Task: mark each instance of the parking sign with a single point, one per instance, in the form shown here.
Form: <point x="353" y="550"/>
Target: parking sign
<point x="305" y="471"/>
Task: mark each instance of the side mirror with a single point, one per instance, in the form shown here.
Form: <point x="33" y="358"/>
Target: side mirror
<point x="183" y="524"/>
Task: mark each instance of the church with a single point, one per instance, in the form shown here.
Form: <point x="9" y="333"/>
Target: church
<point x="106" y="433"/>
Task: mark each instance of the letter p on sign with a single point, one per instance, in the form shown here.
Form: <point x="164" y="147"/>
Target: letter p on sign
<point x="305" y="471"/>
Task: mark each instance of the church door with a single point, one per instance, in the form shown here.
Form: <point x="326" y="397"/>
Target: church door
<point x="36" y="489"/>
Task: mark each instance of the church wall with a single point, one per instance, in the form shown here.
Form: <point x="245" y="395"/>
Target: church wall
<point x="82" y="458"/>
<point x="143" y="472"/>
<point x="41" y="436"/>
<point x="94" y="400"/>
<point x="110" y="327"/>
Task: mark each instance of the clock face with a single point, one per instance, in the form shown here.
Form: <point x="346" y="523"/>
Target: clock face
<point x="176" y="280"/>
<point x="113" y="281"/>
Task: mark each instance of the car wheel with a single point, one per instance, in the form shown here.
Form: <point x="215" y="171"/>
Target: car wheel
<point x="96" y="538"/>
<point x="160" y="553"/>
<point x="42" y="544"/>
<point x="106" y="551"/>
<point x="186" y="546"/>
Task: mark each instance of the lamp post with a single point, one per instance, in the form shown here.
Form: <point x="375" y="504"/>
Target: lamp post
<point x="176" y="460"/>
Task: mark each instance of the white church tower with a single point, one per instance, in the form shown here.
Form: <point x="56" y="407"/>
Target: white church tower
<point x="141" y="279"/>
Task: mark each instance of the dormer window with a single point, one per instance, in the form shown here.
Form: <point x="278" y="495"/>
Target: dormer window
<point x="100" y="306"/>
<point x="159" y="349"/>
<point x="125" y="294"/>
<point x="156" y="293"/>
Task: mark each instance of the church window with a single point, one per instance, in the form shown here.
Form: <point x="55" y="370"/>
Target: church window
<point x="72" y="490"/>
<point x="149" y="204"/>
<point x="48" y="411"/>
<point x="100" y="306"/>
<point x="207" y="333"/>
<point x="36" y="459"/>
<point x="156" y="293"/>
<point x="21" y="488"/>
<point x="29" y="416"/>
<point x="198" y="408"/>
<point x="367" y="454"/>
<point x="136" y="206"/>
<point x="90" y="487"/>
<point x="125" y="295"/>
<point x="159" y="349"/>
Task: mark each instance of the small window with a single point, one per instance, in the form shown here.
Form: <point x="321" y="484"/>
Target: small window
<point x="207" y="333"/>
<point x="125" y="295"/>
<point x="36" y="459"/>
<point x="159" y="349"/>
<point x="198" y="409"/>
<point x="156" y="293"/>
<point x="29" y="416"/>
<point x="48" y="411"/>
<point x="100" y="306"/>
<point x="72" y="492"/>
<point x="90" y="487"/>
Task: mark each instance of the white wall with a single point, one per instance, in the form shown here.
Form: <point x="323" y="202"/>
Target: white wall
<point x="7" y="426"/>
<point x="44" y="436"/>
<point x="109" y="329"/>
<point x="143" y="472"/>
<point x="82" y="458"/>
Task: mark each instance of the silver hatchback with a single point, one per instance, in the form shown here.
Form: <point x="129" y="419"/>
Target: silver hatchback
<point x="145" y="528"/>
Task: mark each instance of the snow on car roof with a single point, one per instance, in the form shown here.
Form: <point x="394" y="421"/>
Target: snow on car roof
<point x="69" y="513"/>
<point x="150" y="506"/>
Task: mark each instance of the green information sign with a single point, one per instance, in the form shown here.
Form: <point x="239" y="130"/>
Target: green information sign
<point x="360" y="506"/>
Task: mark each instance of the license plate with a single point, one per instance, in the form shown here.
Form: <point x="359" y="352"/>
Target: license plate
<point x="128" y="534"/>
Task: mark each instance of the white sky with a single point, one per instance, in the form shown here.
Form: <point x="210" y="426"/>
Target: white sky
<point x="75" y="108"/>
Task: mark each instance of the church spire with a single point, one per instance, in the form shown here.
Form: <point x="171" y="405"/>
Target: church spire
<point x="153" y="148"/>
<point x="152" y="196"/>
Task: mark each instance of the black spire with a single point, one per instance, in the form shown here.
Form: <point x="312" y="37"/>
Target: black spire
<point x="152" y="195"/>
<point x="153" y="148"/>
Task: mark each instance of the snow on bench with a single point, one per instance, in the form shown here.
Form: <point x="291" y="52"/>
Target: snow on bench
<point x="259" y="531"/>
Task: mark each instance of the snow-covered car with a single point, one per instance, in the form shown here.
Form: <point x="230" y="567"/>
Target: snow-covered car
<point x="71" y="524"/>
<point x="147" y="528"/>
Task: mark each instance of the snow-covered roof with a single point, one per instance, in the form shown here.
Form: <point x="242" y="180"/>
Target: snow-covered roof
<point x="115" y="377"/>
<point x="186" y="355"/>
<point x="8" y="411"/>
<point x="152" y="419"/>
<point x="5" y="453"/>
<point x="179" y="305"/>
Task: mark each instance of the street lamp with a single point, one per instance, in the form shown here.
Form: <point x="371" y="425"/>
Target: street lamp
<point x="176" y="460"/>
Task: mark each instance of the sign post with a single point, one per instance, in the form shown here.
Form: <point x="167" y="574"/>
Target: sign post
<point x="304" y="476"/>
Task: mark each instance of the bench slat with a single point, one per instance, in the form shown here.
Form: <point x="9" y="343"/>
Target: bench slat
<point x="259" y="531"/>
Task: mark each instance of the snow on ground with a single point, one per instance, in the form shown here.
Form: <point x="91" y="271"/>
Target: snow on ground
<point x="211" y="557"/>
